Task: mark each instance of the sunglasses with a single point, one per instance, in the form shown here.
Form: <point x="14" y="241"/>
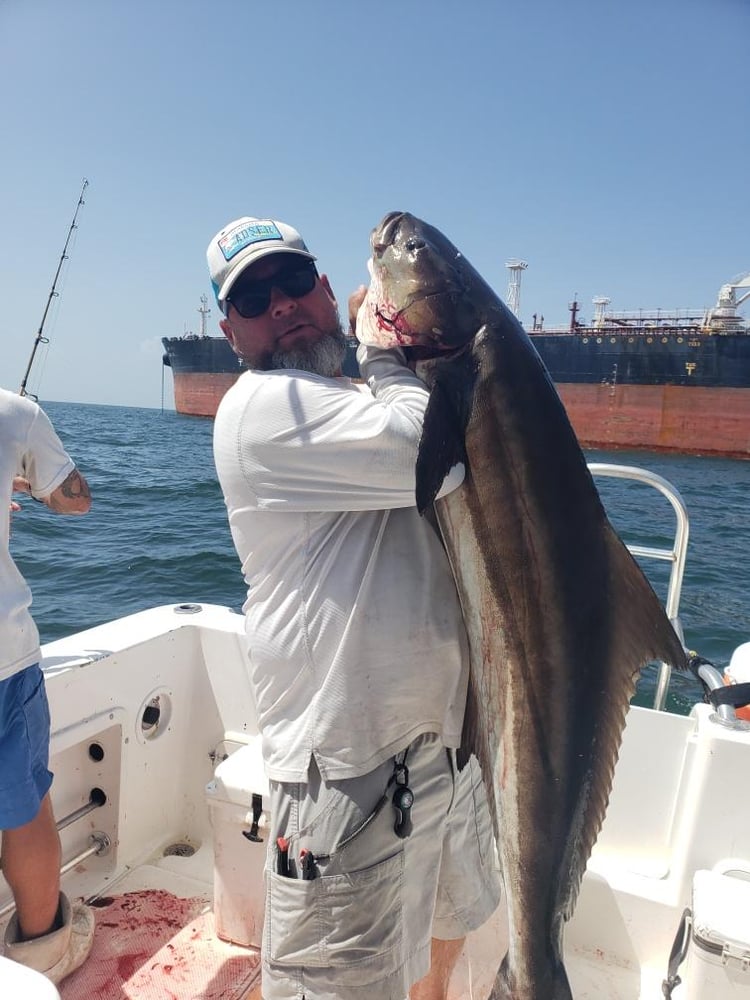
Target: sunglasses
<point x="254" y="297"/>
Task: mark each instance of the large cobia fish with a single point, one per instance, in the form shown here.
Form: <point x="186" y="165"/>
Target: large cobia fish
<point x="560" y="617"/>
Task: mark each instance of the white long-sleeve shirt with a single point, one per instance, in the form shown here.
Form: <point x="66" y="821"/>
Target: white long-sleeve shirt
<point x="29" y="447"/>
<point x="355" y="635"/>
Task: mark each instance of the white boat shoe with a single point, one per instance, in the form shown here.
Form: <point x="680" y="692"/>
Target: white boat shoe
<point x="60" y="952"/>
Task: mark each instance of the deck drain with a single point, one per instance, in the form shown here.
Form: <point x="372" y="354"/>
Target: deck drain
<point x="179" y="850"/>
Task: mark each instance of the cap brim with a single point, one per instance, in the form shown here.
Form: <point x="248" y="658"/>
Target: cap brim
<point x="251" y="259"/>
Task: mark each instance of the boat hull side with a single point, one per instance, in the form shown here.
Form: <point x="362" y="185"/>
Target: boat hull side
<point x="668" y="418"/>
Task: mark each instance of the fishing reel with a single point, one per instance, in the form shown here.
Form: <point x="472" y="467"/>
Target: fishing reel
<point x="403" y="800"/>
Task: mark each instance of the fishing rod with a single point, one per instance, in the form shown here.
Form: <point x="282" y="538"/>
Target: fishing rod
<point x="39" y="339"/>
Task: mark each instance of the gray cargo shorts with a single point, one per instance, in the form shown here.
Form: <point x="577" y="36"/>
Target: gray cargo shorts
<point x="359" y="927"/>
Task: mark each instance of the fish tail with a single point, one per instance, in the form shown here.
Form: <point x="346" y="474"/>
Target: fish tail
<point x="553" y="985"/>
<point x="560" y="986"/>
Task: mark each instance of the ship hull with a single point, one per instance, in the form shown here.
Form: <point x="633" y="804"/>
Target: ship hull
<point x="198" y="394"/>
<point x="203" y="368"/>
<point x="689" y="420"/>
<point x="670" y="393"/>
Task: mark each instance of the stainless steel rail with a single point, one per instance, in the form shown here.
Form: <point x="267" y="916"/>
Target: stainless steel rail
<point x="675" y="555"/>
<point x="97" y="798"/>
<point x="100" y="844"/>
<point x="725" y="714"/>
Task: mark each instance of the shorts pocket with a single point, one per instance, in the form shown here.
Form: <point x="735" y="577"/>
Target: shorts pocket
<point x="351" y="923"/>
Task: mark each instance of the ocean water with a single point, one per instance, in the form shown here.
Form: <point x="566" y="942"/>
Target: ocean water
<point x="157" y="532"/>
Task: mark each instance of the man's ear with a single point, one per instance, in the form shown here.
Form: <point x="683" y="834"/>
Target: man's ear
<point x="226" y="328"/>
<point x="327" y="285"/>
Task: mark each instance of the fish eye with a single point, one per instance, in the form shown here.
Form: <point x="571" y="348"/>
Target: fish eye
<point x="414" y="243"/>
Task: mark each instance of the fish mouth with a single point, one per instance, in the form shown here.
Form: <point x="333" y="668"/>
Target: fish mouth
<point x="427" y="352"/>
<point x="397" y="321"/>
<point x="383" y="236"/>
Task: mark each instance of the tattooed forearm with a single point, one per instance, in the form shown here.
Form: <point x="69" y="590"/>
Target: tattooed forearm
<point x="72" y="496"/>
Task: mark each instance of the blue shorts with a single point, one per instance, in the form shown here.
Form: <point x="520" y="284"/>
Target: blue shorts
<point x="24" y="747"/>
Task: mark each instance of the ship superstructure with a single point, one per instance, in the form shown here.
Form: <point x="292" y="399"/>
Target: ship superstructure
<point x="662" y="380"/>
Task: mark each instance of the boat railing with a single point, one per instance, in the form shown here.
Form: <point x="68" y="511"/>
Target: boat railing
<point x="675" y="555"/>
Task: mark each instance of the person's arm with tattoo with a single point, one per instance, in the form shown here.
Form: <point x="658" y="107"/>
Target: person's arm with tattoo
<point x="72" y="496"/>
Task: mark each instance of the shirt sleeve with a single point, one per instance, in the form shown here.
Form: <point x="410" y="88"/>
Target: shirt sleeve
<point x="307" y="443"/>
<point x="44" y="461"/>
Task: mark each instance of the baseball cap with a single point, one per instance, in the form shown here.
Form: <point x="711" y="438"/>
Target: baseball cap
<point x="243" y="242"/>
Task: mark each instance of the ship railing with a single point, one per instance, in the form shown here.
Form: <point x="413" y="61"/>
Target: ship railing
<point x="687" y="316"/>
<point x="621" y="327"/>
<point x="675" y="555"/>
<point x="644" y="329"/>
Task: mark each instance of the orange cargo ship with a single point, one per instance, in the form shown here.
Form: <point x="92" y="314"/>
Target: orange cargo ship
<point x="656" y="380"/>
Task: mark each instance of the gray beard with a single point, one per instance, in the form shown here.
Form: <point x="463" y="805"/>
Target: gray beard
<point x="324" y="357"/>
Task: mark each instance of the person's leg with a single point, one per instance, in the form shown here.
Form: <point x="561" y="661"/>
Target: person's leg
<point x="31" y="865"/>
<point x="434" y="986"/>
<point x="469" y="888"/>
<point x="46" y="932"/>
<point x="31" y="845"/>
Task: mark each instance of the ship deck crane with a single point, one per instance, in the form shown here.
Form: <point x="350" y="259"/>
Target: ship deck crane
<point x="724" y="314"/>
<point x="516" y="268"/>
<point x="744" y="282"/>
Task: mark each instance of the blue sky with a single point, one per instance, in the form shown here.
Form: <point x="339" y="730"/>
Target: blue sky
<point x="606" y="143"/>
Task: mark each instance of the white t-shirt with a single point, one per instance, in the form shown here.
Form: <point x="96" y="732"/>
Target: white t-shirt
<point x="29" y="447"/>
<point x="355" y="635"/>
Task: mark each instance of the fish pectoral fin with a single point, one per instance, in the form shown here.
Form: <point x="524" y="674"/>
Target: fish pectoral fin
<point x="441" y="445"/>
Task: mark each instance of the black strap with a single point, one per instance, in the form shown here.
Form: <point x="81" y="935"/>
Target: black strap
<point x="737" y="695"/>
<point x="679" y="951"/>
<point x="400" y="777"/>
<point x="695" y="662"/>
<point x="252" y="833"/>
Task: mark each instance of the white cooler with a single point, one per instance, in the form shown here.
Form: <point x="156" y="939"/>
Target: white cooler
<point x="237" y="799"/>
<point x="718" y="962"/>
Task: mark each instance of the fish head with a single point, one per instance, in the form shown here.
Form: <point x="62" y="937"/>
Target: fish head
<point x="423" y="292"/>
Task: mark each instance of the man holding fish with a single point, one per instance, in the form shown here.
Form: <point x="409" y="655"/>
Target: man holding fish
<point x="358" y="652"/>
